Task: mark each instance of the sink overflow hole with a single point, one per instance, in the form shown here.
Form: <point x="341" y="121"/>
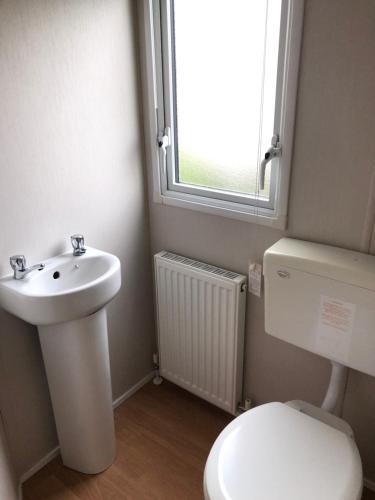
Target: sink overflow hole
<point x="56" y="275"/>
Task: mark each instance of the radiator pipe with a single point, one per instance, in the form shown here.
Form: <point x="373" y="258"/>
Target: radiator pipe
<point x="334" y="398"/>
<point x="157" y="380"/>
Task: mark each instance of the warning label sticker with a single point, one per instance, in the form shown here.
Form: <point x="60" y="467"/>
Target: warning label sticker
<point x="335" y="326"/>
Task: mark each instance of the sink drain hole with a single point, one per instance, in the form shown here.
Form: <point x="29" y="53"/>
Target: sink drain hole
<point x="56" y="275"/>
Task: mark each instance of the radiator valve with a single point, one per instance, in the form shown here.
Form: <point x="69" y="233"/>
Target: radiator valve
<point x="245" y="406"/>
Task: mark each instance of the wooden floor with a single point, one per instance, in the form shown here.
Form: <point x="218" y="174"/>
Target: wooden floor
<point x="164" y="435"/>
<point x="368" y="495"/>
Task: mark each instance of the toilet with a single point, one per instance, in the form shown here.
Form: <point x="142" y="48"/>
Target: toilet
<point x="277" y="452"/>
<point x="321" y="299"/>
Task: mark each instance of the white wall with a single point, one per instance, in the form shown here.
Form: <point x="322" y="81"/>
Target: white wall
<point x="70" y="161"/>
<point x="331" y="202"/>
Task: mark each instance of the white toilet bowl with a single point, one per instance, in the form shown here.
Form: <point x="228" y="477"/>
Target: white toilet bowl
<point x="278" y="452"/>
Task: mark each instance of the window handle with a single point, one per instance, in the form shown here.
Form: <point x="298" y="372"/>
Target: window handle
<point x="273" y="152"/>
<point x="164" y="142"/>
<point x="164" y="138"/>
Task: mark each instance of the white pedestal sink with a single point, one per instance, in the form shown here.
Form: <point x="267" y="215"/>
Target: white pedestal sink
<point x="66" y="300"/>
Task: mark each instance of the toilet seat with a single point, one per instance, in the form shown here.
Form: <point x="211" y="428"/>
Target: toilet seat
<point x="275" y="452"/>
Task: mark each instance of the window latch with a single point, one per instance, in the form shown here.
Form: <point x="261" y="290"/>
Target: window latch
<point x="164" y="141"/>
<point x="273" y="152"/>
<point x="164" y="138"/>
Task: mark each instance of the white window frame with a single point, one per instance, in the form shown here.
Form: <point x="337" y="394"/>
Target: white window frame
<point x="203" y="199"/>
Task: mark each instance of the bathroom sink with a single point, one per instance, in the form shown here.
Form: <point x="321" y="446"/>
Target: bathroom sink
<point x="68" y="288"/>
<point x="65" y="297"/>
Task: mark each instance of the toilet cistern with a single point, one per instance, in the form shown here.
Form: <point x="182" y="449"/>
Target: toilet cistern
<point x="326" y="306"/>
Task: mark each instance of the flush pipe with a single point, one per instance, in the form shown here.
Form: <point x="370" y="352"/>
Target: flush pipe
<point x="334" y="398"/>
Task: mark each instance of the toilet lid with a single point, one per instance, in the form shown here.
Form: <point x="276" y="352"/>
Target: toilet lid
<point x="275" y="452"/>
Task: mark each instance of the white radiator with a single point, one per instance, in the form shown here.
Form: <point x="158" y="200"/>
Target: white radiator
<point x="201" y="322"/>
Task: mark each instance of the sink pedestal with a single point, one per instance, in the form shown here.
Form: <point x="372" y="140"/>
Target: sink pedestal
<point x="77" y="364"/>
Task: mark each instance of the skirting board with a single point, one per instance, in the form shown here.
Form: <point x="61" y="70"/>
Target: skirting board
<point x="370" y="485"/>
<point x="133" y="390"/>
<point x="40" y="464"/>
<point x="53" y="453"/>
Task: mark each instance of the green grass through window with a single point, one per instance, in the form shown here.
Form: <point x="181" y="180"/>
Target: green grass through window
<point x="196" y="171"/>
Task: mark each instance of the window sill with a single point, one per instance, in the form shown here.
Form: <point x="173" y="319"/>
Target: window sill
<point x="246" y="213"/>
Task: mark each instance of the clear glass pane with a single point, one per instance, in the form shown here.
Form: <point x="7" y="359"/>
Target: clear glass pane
<point x="226" y="54"/>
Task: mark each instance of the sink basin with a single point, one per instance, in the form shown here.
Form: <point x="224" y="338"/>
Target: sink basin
<point x="67" y="288"/>
<point x="67" y="300"/>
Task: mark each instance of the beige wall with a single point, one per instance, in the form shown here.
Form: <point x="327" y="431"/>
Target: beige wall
<point x="70" y="161"/>
<point x="8" y="480"/>
<point x="330" y="202"/>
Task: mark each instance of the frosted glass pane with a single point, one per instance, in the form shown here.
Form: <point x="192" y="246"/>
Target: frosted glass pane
<point x="226" y="67"/>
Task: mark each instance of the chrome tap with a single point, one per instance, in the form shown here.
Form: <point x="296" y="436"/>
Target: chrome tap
<point x="18" y="264"/>
<point x="78" y="242"/>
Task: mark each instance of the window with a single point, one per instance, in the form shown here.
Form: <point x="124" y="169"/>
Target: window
<point x="222" y="80"/>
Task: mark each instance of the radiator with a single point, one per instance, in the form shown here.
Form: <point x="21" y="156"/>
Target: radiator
<point x="201" y="322"/>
